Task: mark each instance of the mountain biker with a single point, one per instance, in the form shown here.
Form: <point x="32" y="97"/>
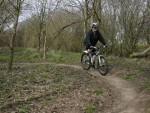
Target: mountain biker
<point x="93" y="36"/>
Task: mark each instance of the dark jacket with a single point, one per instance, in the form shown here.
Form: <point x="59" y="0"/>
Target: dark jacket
<point x="91" y="39"/>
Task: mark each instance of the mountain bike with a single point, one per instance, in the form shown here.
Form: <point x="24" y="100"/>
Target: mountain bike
<point x="95" y="59"/>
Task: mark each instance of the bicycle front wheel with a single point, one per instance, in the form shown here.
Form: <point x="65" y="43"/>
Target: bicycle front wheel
<point x="85" y="61"/>
<point x="102" y="65"/>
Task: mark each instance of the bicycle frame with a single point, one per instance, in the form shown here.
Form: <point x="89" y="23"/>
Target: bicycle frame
<point x="97" y="54"/>
<point x="96" y="60"/>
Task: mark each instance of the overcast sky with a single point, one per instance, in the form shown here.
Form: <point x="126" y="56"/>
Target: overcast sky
<point x="27" y="10"/>
<point x="31" y="7"/>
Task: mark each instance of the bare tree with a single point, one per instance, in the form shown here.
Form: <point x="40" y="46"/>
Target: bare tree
<point x="45" y="15"/>
<point x="41" y="15"/>
<point x="123" y="22"/>
<point x="85" y="16"/>
<point x="17" y="5"/>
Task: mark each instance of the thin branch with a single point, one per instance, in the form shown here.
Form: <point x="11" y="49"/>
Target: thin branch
<point x="66" y="26"/>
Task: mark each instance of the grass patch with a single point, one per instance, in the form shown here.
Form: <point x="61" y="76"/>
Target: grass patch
<point x="23" y="109"/>
<point x="63" y="57"/>
<point x="32" y="55"/>
<point x="4" y="58"/>
<point x="130" y="77"/>
<point x="99" y="92"/>
<point x="90" y="109"/>
<point x="147" y="86"/>
<point x="132" y="64"/>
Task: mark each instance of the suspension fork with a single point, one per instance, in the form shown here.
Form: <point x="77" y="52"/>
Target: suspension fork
<point x="99" y="59"/>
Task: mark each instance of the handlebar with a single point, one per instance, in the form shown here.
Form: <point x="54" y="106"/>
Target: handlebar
<point x="93" y="47"/>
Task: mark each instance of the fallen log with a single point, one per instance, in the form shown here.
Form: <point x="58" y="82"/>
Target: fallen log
<point x="145" y="53"/>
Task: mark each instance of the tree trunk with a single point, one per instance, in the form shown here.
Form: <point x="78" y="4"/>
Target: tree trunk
<point x="145" y="53"/>
<point x="12" y="41"/>
<point x="1" y="2"/>
<point x="148" y="39"/>
<point x="45" y="41"/>
<point x="12" y="45"/>
<point x="85" y="17"/>
<point x="39" y="41"/>
<point x="97" y="10"/>
<point x="42" y="22"/>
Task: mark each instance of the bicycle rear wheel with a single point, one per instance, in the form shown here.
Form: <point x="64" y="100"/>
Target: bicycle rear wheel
<point x="102" y="65"/>
<point x="85" y="61"/>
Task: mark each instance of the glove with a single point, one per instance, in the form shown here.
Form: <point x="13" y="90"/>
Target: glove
<point x="105" y="46"/>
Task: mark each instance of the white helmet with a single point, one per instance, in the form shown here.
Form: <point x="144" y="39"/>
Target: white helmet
<point x="94" y="25"/>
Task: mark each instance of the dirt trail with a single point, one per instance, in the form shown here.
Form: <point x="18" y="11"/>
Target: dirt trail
<point x="127" y="100"/>
<point x="126" y="97"/>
